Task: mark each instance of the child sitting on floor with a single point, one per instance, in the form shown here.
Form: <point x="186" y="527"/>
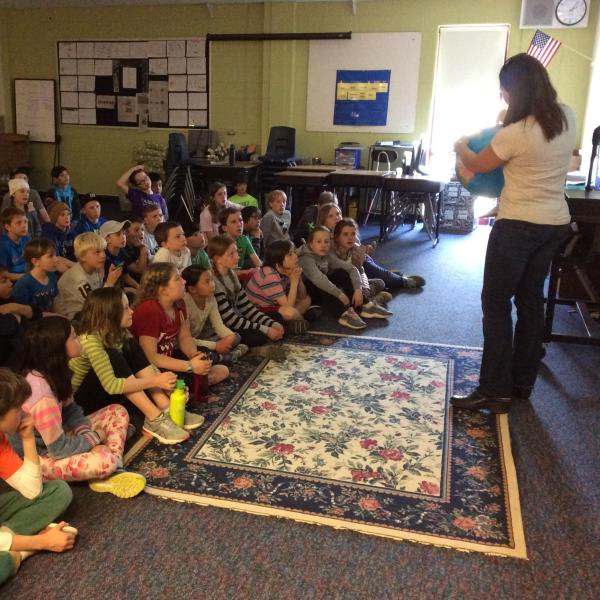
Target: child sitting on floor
<point x="232" y="224"/>
<point x="173" y="245"/>
<point x="204" y="317"/>
<point x="58" y="230"/>
<point x="38" y="287"/>
<point x="277" y="286"/>
<point x="62" y="191"/>
<point x="35" y="200"/>
<point x="308" y="219"/>
<point x="13" y="241"/>
<point x="113" y="367"/>
<point x="152" y="216"/>
<point x="252" y="230"/>
<point x="89" y="219"/>
<point x="217" y="201"/>
<point x="12" y="314"/>
<point x="135" y="253"/>
<point x="276" y="222"/>
<point x="18" y="190"/>
<point x="113" y="233"/>
<point x="27" y="513"/>
<point x="242" y="197"/>
<point x="334" y="283"/>
<point x="137" y="186"/>
<point x="161" y="325"/>
<point x="86" y="275"/>
<point x="237" y="312"/>
<point x="71" y="447"/>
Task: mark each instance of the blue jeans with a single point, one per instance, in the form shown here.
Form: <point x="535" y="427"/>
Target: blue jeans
<point x="517" y="261"/>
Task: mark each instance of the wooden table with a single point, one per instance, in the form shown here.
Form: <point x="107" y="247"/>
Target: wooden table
<point x="344" y="179"/>
<point x="317" y="168"/>
<point x="292" y="180"/>
<point x="222" y="171"/>
<point x="584" y="208"/>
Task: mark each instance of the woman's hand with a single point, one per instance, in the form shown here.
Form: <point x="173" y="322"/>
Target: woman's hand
<point x="26" y="429"/>
<point x="344" y="299"/>
<point x="357" y="298"/>
<point x="165" y="381"/>
<point x="201" y="364"/>
<point x="225" y="344"/>
<point x="461" y="144"/>
<point x="275" y="333"/>
<point x="57" y="540"/>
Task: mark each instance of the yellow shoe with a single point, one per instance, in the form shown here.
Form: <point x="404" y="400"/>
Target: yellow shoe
<point x="122" y="484"/>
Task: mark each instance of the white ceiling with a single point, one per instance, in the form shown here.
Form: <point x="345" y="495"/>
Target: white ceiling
<point x="82" y="3"/>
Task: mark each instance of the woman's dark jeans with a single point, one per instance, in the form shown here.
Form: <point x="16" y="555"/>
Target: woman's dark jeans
<point x="517" y="261"/>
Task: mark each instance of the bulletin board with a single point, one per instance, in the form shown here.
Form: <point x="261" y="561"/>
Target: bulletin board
<point x="396" y="53"/>
<point x="141" y="83"/>
<point x="35" y="109"/>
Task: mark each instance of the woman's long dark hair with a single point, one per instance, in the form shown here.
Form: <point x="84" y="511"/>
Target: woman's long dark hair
<point x="45" y="353"/>
<point x="531" y="94"/>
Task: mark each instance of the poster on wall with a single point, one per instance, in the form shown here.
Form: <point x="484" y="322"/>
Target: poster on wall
<point x="361" y="98"/>
<point x="102" y="83"/>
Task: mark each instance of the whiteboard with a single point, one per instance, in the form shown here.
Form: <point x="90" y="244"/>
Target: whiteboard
<point x="35" y="113"/>
<point x="398" y="52"/>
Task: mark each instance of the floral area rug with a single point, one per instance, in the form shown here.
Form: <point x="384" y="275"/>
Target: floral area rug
<point x="354" y="433"/>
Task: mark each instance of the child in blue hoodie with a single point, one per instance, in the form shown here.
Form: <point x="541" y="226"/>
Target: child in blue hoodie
<point x="59" y="231"/>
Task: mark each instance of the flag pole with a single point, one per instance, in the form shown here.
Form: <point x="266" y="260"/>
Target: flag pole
<point x="577" y="52"/>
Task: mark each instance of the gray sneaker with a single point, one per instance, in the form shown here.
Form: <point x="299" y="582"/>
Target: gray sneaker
<point x="413" y="281"/>
<point x="382" y="297"/>
<point x="239" y="351"/>
<point x="192" y="421"/>
<point x="352" y="320"/>
<point x="373" y="311"/>
<point x="164" y="430"/>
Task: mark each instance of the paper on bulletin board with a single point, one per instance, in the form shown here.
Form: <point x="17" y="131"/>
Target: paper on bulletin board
<point x="87" y="116"/>
<point x="86" y="83"/>
<point x="85" y="49"/>
<point x="143" y="110"/>
<point x="127" y="109"/>
<point x="177" y="100"/>
<point x="67" y="50"/>
<point x="158" y="102"/>
<point x="196" y="66"/>
<point x="178" y="118"/>
<point x="119" y="50"/>
<point x="176" y="65"/>
<point x="156" y="48"/>
<point x="102" y="49"/>
<point x="129" y="78"/>
<point x="198" y="101"/>
<point x="177" y="83"/>
<point x="69" y="99"/>
<point x="70" y="116"/>
<point x="157" y="66"/>
<point x="87" y="100"/>
<point x="85" y="66"/>
<point x="198" y="118"/>
<point x="106" y="102"/>
<point x="196" y="83"/>
<point x="175" y="48"/>
<point x="68" y="83"/>
<point x="138" y="50"/>
<point x="103" y="68"/>
<point x="68" y="66"/>
<point x="196" y="48"/>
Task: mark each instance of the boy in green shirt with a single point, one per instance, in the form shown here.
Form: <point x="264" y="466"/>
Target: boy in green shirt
<point x="242" y="197"/>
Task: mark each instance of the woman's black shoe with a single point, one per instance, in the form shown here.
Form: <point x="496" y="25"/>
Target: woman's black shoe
<point x="477" y="400"/>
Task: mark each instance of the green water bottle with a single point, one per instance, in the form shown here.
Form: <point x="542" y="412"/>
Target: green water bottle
<point x="177" y="403"/>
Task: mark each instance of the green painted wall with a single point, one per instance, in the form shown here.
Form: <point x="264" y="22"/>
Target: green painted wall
<point x="254" y="85"/>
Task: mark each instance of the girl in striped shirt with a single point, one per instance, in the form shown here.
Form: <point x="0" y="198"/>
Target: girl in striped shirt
<point x="238" y="313"/>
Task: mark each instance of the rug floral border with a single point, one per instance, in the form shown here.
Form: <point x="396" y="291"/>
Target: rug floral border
<point x="479" y="511"/>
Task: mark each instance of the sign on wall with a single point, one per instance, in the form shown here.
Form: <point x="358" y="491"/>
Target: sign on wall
<point x="152" y="83"/>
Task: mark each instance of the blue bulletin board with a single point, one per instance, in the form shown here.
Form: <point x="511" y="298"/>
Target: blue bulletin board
<point x="361" y="97"/>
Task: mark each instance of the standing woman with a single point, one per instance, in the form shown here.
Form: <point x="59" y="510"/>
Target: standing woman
<point x="534" y="146"/>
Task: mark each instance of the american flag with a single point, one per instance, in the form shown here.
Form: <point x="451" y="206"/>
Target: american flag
<point x="543" y="47"/>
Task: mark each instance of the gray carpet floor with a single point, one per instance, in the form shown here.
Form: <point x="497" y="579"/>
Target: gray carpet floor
<point x="152" y="548"/>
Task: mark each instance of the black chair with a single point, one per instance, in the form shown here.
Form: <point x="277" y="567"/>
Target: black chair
<point x="177" y="153"/>
<point x="280" y="155"/>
